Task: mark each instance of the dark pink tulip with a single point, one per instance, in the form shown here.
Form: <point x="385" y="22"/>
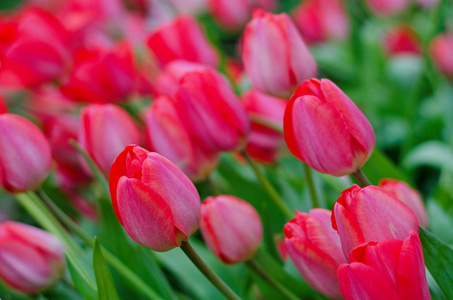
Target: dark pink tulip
<point x="315" y="249"/>
<point x="231" y="228"/>
<point x="266" y="37"/>
<point x="25" y="157"/>
<point x="106" y="129"/>
<point x="387" y="7"/>
<point x="388" y="269"/>
<point x="31" y="259"/>
<point x="441" y="52"/>
<point x="3" y="105"/>
<point x="182" y="38"/>
<point x="156" y="203"/>
<point x="401" y="39"/>
<point x="326" y="130"/>
<point x="367" y="214"/>
<point x="411" y="197"/>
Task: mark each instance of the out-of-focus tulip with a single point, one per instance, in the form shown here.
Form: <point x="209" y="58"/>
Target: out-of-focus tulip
<point x="368" y="214"/>
<point x="264" y="142"/>
<point x="211" y="111"/>
<point x="3" y="105"/>
<point x="388" y="269"/>
<point x="31" y="259"/>
<point x="102" y="76"/>
<point x="167" y="135"/>
<point x="281" y="246"/>
<point x="25" y="157"/>
<point x="387" y="7"/>
<point x="427" y="3"/>
<point x="231" y="228"/>
<point x="106" y="130"/>
<point x="234" y="70"/>
<point x="441" y="52"/>
<point x="411" y="197"/>
<point x="155" y="201"/>
<point x="321" y="20"/>
<point x="315" y="249"/>
<point x="182" y="39"/>
<point x="401" y="40"/>
<point x="266" y="37"/>
<point x="326" y="130"/>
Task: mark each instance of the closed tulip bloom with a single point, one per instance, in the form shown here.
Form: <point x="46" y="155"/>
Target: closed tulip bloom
<point x="106" y="129"/>
<point x="368" y="214"/>
<point x="441" y="49"/>
<point x="266" y="37"/>
<point x="388" y="269"/>
<point x="411" y="197"/>
<point x="401" y="40"/>
<point x="31" y="259"/>
<point x="387" y="7"/>
<point x="211" y="111"/>
<point x="155" y="201"/>
<point x="231" y="228"/>
<point x="315" y="249"/>
<point x="25" y="157"/>
<point x="326" y="130"/>
<point x="182" y="38"/>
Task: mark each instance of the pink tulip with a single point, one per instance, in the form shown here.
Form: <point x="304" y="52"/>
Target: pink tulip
<point x="388" y="269"/>
<point x="411" y="197"/>
<point x="315" y="249"/>
<point x="326" y="130"/>
<point x="402" y="39"/>
<point x="367" y="214"/>
<point x="387" y="7"/>
<point x="182" y="38"/>
<point x="31" y="259"/>
<point x="441" y="51"/>
<point x="106" y="130"/>
<point x="266" y="38"/>
<point x="25" y="157"/>
<point x="156" y="203"/>
<point x="231" y="228"/>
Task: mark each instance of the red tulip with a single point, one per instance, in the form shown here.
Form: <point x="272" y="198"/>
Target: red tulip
<point x="441" y="49"/>
<point x="402" y="40"/>
<point x="367" y="214"/>
<point x="387" y="7"/>
<point x="25" y="157"/>
<point x="3" y="105"/>
<point x="182" y="38"/>
<point x="409" y="196"/>
<point x="31" y="259"/>
<point x="106" y="130"/>
<point x="267" y="37"/>
<point x="315" y="249"/>
<point x="325" y="129"/>
<point x="155" y="202"/>
<point x="388" y="269"/>
<point x="231" y="228"/>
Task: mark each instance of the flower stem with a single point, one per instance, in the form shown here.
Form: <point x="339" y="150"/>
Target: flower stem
<point x="268" y="186"/>
<point x="311" y="186"/>
<point x="361" y="178"/>
<point x="208" y="272"/>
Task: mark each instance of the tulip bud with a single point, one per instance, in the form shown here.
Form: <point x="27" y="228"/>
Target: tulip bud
<point x="368" y="214"/>
<point x="411" y="197"/>
<point x="156" y="203"/>
<point x="267" y="37"/>
<point x="387" y="7"/>
<point x="182" y="38"/>
<point x="402" y="40"/>
<point x="388" y="269"/>
<point x="231" y="228"/>
<point x="25" y="157"/>
<point x="106" y="130"/>
<point x="326" y="130"/>
<point x="315" y="249"/>
<point x="441" y="49"/>
<point x="31" y="259"/>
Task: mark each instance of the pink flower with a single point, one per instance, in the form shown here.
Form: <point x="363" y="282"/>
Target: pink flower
<point x="441" y="49"/>
<point x="401" y="40"/>
<point x="3" y="105"/>
<point x="387" y="7"/>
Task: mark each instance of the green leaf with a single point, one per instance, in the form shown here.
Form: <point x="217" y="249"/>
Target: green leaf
<point x="439" y="261"/>
<point x="432" y="153"/>
<point x="104" y="280"/>
<point x="380" y="166"/>
<point x="81" y="279"/>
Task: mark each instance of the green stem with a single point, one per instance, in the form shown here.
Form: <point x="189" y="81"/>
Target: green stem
<point x="268" y="186"/>
<point x="361" y="178"/>
<point x="208" y="272"/>
<point x="311" y="186"/>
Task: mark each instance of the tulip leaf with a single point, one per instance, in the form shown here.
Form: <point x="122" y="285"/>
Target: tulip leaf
<point x="81" y="279"/>
<point x="104" y="280"/>
<point x="432" y="153"/>
<point x="439" y="261"/>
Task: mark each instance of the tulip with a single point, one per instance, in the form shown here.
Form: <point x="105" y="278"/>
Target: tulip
<point x="368" y="214"/>
<point x="315" y="249"/>
<point x="211" y="111"/>
<point x="411" y="197"/>
<point x="182" y="38"/>
<point x="156" y="203"/>
<point x="266" y="38"/>
<point x="402" y="40"/>
<point x="387" y="7"/>
<point x="3" y="105"/>
<point x="25" y="157"/>
<point x="388" y="269"/>
<point x="106" y="130"/>
<point x="441" y="49"/>
<point x="231" y="228"/>
<point x="325" y="129"/>
<point x="31" y="259"/>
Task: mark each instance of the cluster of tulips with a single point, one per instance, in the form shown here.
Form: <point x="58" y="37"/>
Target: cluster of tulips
<point x="133" y="92"/>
